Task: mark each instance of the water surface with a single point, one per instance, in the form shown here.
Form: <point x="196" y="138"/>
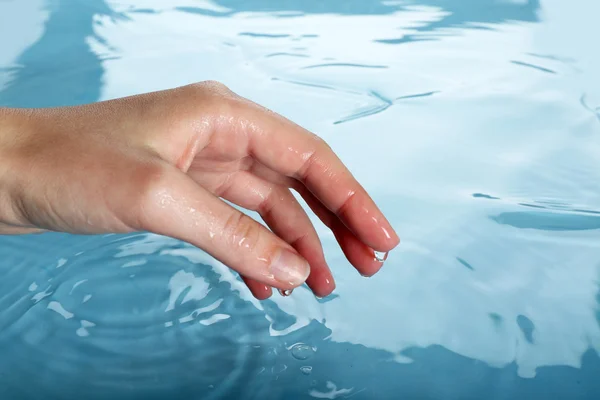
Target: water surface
<point x="474" y="124"/>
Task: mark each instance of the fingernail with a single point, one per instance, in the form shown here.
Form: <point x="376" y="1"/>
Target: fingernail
<point x="285" y="293"/>
<point x="288" y="268"/>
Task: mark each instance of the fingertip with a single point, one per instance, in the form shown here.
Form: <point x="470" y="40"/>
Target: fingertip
<point x="370" y="270"/>
<point x="392" y="239"/>
<point x="384" y="239"/>
<point x="367" y="222"/>
<point x="366" y="260"/>
<point x="264" y="295"/>
<point x="289" y="268"/>
<point x="259" y="290"/>
<point x="321" y="282"/>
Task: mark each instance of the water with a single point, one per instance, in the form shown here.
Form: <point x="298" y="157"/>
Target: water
<point x="380" y="256"/>
<point x="473" y="123"/>
<point x="302" y="351"/>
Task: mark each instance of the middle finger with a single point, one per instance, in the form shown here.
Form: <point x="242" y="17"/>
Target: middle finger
<point x="285" y="216"/>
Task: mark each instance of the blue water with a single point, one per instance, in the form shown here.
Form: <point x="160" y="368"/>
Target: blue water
<point x="475" y="124"/>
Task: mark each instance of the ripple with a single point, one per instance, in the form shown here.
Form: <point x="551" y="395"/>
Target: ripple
<point x="549" y="215"/>
<point x="405" y="39"/>
<point x="264" y="35"/>
<point x="205" y="11"/>
<point x="484" y="196"/>
<point x="552" y="57"/>
<point x="318" y="85"/>
<point x="548" y="221"/>
<point x="284" y="54"/>
<point x="537" y="67"/>
<point x="382" y="104"/>
<point x="143" y="11"/>
<point x="377" y="102"/>
<point x="594" y="110"/>
<point x="306" y="369"/>
<point x="466" y="264"/>
<point x="351" y="65"/>
<point x="332" y="392"/>
<point x="363" y="112"/>
<point x="417" y="95"/>
<point x="126" y="315"/>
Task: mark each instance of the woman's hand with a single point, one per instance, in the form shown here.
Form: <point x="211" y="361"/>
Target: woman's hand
<point x="162" y="162"/>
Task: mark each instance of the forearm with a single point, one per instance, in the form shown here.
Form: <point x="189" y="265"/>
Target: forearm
<point x="14" y="127"/>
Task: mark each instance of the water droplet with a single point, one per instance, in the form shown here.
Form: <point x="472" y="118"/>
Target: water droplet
<point x="306" y="370"/>
<point x="380" y="256"/>
<point x="302" y="351"/>
<point x="286" y="292"/>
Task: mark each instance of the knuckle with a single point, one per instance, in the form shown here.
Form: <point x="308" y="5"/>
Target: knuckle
<point x="210" y="88"/>
<point x="322" y="143"/>
<point x="242" y="231"/>
<point x="215" y="86"/>
<point x="214" y="96"/>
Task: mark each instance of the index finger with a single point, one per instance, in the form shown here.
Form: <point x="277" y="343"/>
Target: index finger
<point x="291" y="150"/>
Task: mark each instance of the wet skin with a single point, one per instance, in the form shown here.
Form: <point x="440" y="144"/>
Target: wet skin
<point x="164" y="162"/>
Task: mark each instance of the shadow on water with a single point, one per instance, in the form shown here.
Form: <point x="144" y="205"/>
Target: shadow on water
<point x="470" y="13"/>
<point x="458" y="13"/>
<point x="548" y="221"/>
<point x="60" y="68"/>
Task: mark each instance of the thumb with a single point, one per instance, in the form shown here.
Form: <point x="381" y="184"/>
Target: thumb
<point x="176" y="206"/>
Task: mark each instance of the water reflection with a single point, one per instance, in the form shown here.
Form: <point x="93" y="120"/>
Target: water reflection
<point x="60" y="68"/>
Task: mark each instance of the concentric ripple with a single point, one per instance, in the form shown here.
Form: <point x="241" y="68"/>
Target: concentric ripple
<point x="125" y="314"/>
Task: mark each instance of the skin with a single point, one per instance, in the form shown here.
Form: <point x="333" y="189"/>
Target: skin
<point x="164" y="162"/>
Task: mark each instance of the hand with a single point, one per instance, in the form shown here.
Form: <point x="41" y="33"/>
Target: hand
<point x="162" y="162"/>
